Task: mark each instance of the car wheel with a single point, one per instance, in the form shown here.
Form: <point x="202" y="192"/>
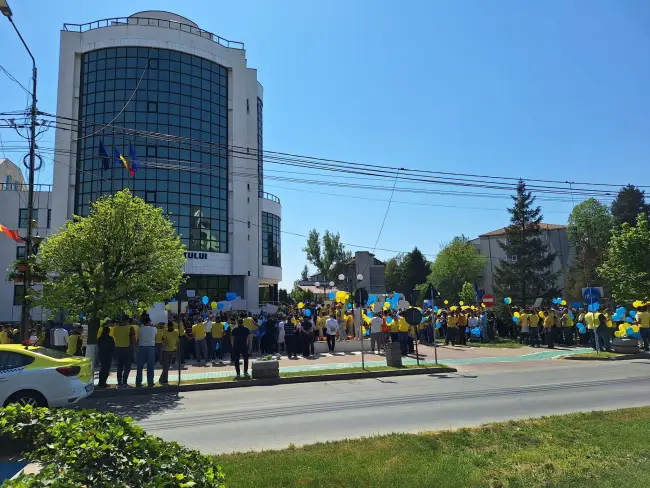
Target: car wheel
<point x="27" y="397"/>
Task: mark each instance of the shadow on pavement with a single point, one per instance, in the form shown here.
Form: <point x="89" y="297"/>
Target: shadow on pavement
<point x="443" y="376"/>
<point x="139" y="407"/>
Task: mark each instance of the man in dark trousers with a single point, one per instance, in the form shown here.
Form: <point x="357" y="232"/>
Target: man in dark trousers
<point x="239" y="341"/>
<point x="106" y="347"/>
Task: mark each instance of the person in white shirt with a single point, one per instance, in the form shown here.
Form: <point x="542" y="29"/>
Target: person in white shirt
<point x="331" y="328"/>
<point x="60" y="337"/>
<point x="281" y="336"/>
<point x="146" y="352"/>
<point x="376" y="335"/>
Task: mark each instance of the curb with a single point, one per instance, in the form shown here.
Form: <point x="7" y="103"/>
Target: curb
<point x="224" y="385"/>
<point x="622" y="357"/>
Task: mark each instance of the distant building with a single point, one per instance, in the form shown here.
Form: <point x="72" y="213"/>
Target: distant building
<point x="488" y="245"/>
<point x="372" y="269"/>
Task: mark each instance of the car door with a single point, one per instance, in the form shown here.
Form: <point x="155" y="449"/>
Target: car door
<point x="11" y="366"/>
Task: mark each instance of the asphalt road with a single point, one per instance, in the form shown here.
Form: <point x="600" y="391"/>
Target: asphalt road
<point x="259" y="418"/>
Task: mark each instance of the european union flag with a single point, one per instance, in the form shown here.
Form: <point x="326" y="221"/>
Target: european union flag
<point x="134" y="160"/>
<point x="104" y="155"/>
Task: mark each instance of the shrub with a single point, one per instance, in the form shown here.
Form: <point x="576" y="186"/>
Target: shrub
<point x="88" y="448"/>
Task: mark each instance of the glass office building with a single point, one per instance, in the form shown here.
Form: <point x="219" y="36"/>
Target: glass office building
<point x="178" y="100"/>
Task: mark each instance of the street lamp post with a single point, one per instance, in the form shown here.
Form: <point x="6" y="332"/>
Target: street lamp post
<point x="363" y="359"/>
<point x="324" y="286"/>
<point x="24" y="317"/>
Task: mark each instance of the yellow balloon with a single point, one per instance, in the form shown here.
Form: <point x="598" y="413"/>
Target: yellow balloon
<point x="446" y="302"/>
<point x="213" y="305"/>
<point x="516" y="314"/>
<point x="635" y="328"/>
<point x="464" y="307"/>
<point x="461" y="303"/>
<point x="386" y="304"/>
<point x="637" y="303"/>
<point x="301" y="305"/>
<point x="453" y="308"/>
<point x="618" y="333"/>
<point x="541" y="314"/>
<point x="622" y="327"/>
<point x="167" y="307"/>
<point x="363" y="330"/>
<point x="473" y="307"/>
<point x="563" y="302"/>
<point x="482" y="305"/>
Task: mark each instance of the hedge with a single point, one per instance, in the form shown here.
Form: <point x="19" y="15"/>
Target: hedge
<point x="87" y="448"/>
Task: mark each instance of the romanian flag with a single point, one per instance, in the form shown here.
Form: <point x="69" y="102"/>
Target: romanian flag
<point x="121" y="159"/>
<point x="103" y="155"/>
<point x="13" y="234"/>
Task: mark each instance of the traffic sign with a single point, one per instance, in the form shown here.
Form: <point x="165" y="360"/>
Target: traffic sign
<point x="412" y="316"/>
<point x="488" y="300"/>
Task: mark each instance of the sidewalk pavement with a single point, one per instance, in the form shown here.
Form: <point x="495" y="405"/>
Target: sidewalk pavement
<point x="449" y="355"/>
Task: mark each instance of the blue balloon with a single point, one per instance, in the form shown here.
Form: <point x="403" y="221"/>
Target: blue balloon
<point x="205" y="315"/>
<point x="435" y="309"/>
<point x="372" y="299"/>
<point x="629" y="331"/>
<point x="571" y="315"/>
<point x="389" y="319"/>
<point x="515" y="320"/>
<point x="438" y="325"/>
<point x="307" y="313"/>
<point x="620" y="311"/>
<point x="216" y="346"/>
<point x="576" y="304"/>
<point x="633" y="313"/>
<point x="593" y="307"/>
<point x="476" y="332"/>
<point x="225" y="326"/>
<point x="331" y="295"/>
<point x="205" y="300"/>
<point x="349" y="305"/>
<point x="582" y="329"/>
<point x="220" y="305"/>
<point x="554" y="301"/>
<point x="231" y="296"/>
<point x="81" y="316"/>
<point x="629" y="320"/>
<point x="369" y="314"/>
<point x="427" y="303"/>
<point x="367" y="333"/>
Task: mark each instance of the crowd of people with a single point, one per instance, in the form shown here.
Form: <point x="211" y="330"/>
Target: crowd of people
<point x="208" y="336"/>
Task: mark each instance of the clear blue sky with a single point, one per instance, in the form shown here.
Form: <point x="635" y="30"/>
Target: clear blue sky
<point x="552" y="90"/>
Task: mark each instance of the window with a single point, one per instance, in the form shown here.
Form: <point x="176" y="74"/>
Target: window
<point x="152" y="107"/>
<point x="22" y="217"/>
<point x="12" y="360"/>
<point x="20" y="252"/>
<point x="49" y="218"/>
<point x="152" y="151"/>
<point x="213" y="287"/>
<point x="19" y="293"/>
<point x="150" y="197"/>
<point x="270" y="239"/>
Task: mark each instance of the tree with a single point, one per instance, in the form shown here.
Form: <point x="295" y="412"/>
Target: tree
<point x="627" y="263"/>
<point x="299" y="295"/>
<point x="526" y="274"/>
<point x="456" y="263"/>
<point x="329" y="257"/>
<point x="283" y="295"/>
<point x="125" y="253"/>
<point x="405" y="271"/>
<point x="467" y="293"/>
<point x="588" y="230"/>
<point x="629" y="203"/>
<point x="304" y="274"/>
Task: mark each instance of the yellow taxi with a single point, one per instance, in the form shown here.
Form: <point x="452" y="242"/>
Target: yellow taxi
<point x="34" y="375"/>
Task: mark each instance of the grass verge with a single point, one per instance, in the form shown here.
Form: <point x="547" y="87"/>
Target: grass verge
<point x="320" y="372"/>
<point x="597" y="355"/>
<point x="597" y="449"/>
<point x="500" y="343"/>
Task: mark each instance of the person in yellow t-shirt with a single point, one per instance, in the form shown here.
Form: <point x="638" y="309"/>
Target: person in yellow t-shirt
<point x="74" y="342"/>
<point x="524" y="323"/>
<point x="349" y="324"/>
<point x="533" y="328"/>
<point x="549" y="329"/>
<point x="170" y="345"/>
<point x="462" y="328"/>
<point x="250" y="324"/>
<point x="4" y="335"/>
<point x="403" y="334"/>
<point x="160" y="330"/>
<point x="200" y="344"/>
<point x="643" y="321"/>
<point x="124" y="346"/>
<point x="452" y="329"/>
<point x="217" y="336"/>
<point x="568" y="329"/>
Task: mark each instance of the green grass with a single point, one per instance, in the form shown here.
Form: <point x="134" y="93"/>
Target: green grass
<point x="320" y="372"/>
<point x="594" y="354"/>
<point x="500" y="343"/>
<point x="598" y="449"/>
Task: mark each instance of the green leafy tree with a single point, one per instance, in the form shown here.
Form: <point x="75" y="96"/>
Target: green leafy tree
<point x="329" y="256"/>
<point x="588" y="230"/>
<point x="126" y="251"/>
<point x="405" y="272"/>
<point x="283" y="295"/>
<point x="299" y="295"/>
<point x="527" y="274"/>
<point x="304" y="274"/>
<point x="467" y="293"/>
<point x="627" y="263"/>
<point x="456" y="263"/>
<point x="629" y="203"/>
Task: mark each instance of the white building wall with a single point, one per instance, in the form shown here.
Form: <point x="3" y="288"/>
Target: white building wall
<point x="244" y="241"/>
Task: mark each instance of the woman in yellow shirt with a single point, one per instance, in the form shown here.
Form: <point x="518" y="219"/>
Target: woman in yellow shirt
<point x="452" y="329"/>
<point x="643" y="320"/>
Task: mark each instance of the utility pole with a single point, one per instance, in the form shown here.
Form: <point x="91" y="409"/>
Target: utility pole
<point x="29" y="241"/>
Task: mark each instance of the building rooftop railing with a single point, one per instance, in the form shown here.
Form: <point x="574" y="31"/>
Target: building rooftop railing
<point x="14" y="186"/>
<point x="270" y="196"/>
<point x="168" y="24"/>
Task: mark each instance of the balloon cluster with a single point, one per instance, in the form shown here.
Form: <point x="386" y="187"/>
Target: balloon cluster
<point x="507" y="300"/>
<point x="559" y="301"/>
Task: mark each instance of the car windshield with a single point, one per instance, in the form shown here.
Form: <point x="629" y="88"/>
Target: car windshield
<point x="50" y="353"/>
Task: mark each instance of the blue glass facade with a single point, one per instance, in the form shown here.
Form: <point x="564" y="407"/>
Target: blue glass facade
<point x="178" y="96"/>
